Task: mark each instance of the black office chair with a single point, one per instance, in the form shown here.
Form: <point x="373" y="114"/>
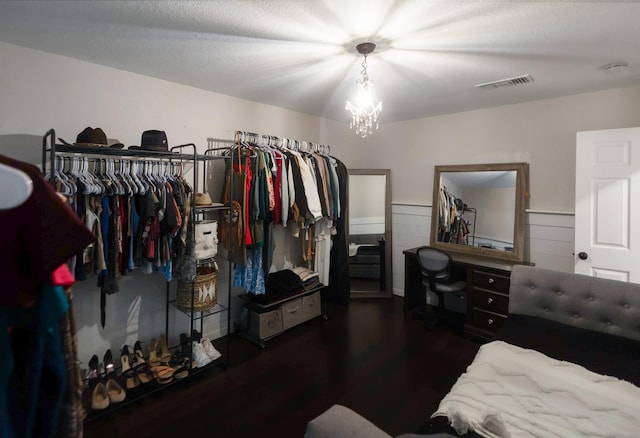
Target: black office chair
<point x="435" y="266"/>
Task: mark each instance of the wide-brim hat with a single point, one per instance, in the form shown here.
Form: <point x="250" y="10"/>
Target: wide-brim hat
<point x="94" y="138"/>
<point x="204" y="200"/>
<point x="153" y="140"/>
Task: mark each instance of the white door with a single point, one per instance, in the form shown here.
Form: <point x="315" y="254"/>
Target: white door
<point x="607" y="223"/>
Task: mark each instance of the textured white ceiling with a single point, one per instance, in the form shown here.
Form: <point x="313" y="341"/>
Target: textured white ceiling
<point x="301" y="54"/>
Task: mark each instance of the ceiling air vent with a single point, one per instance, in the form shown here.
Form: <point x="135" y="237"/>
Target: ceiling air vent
<point x="518" y="80"/>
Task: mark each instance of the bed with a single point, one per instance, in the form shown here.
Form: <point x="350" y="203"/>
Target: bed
<point x="566" y="362"/>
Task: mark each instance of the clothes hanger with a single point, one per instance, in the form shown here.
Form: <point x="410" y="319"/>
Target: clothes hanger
<point x="16" y="187"/>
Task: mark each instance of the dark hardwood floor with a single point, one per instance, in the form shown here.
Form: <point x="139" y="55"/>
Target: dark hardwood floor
<point x="366" y="356"/>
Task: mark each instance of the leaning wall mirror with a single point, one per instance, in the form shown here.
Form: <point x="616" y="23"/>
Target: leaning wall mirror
<point x="480" y="209"/>
<point x="370" y="233"/>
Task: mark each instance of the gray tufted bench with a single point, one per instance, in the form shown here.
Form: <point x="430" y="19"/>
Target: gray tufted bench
<point x="591" y="303"/>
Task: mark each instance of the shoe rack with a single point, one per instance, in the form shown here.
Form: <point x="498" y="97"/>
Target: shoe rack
<point x="109" y="384"/>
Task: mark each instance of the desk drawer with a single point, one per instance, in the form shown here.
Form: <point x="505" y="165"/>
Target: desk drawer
<point x="490" y="301"/>
<point x="487" y="320"/>
<point x="491" y="281"/>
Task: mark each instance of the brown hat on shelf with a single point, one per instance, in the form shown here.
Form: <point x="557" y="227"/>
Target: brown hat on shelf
<point x="95" y="138"/>
<point x="204" y="200"/>
<point x="153" y="140"/>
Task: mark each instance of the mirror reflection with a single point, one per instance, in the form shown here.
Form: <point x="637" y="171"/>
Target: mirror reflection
<point x="477" y="209"/>
<point x="369" y="232"/>
<point x="480" y="209"/>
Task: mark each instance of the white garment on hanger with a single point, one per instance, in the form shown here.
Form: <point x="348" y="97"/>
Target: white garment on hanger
<point x="322" y="262"/>
<point x="309" y="186"/>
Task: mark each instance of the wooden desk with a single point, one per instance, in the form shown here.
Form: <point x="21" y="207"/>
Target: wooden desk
<point x="487" y="290"/>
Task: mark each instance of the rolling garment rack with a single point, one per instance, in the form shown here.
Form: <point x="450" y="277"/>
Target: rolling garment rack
<point x="157" y="161"/>
<point x="263" y="321"/>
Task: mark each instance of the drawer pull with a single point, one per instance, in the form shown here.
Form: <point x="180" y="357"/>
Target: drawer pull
<point x="491" y="280"/>
<point x="490" y="321"/>
<point x="294" y="310"/>
<point x="490" y="300"/>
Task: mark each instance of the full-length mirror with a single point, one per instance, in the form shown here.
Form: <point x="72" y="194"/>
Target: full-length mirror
<point x="370" y="232"/>
<point x="479" y="209"/>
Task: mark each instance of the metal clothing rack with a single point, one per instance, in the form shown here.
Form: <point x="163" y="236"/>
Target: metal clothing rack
<point x="181" y="155"/>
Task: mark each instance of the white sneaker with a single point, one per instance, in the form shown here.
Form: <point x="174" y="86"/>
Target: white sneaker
<point x="200" y="357"/>
<point x="210" y="349"/>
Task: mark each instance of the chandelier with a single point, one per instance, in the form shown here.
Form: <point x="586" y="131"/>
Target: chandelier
<point x="367" y="108"/>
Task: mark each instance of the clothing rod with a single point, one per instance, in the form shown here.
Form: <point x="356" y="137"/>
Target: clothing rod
<point x="284" y="142"/>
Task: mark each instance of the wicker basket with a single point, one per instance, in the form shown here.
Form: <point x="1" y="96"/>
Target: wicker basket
<point x="205" y="295"/>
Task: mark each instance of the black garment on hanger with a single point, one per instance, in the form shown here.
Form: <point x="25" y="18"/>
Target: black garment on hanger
<point x="339" y="288"/>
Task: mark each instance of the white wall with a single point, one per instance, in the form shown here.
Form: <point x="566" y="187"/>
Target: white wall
<point x="542" y="133"/>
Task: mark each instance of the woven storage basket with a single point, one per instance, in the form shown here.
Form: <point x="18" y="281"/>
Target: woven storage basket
<point x="205" y="295"/>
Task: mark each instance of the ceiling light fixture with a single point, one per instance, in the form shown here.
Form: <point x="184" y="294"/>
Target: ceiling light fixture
<point x="367" y="108"/>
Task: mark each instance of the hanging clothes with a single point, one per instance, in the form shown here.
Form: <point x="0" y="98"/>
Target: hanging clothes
<point x="339" y="288"/>
<point x="39" y="235"/>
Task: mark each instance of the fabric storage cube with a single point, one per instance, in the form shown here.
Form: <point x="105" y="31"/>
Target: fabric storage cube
<point x="311" y="306"/>
<point x="263" y="325"/>
<point x="206" y="244"/>
<point x="292" y="313"/>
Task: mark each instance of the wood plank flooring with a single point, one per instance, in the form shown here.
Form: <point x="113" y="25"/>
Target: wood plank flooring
<point x="366" y="356"/>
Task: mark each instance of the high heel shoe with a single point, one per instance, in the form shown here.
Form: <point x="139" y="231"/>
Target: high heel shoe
<point x="109" y="367"/>
<point x="154" y="359"/>
<point x="138" y="353"/>
<point x="139" y="365"/>
<point x="94" y="363"/>
<point x="165" y="354"/>
<point x="127" y="371"/>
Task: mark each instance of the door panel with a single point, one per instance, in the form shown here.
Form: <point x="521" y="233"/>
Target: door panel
<point x="607" y="241"/>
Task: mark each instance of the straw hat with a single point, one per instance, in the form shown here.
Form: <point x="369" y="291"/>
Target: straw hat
<point x="204" y="200"/>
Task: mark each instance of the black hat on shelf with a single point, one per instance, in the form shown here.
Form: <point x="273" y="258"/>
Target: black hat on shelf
<point x="153" y="140"/>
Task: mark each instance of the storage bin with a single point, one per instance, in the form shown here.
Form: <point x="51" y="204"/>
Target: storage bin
<point x="205" y="294"/>
<point x="292" y="313"/>
<point x="206" y="244"/>
<point x="311" y="306"/>
<point x="266" y="324"/>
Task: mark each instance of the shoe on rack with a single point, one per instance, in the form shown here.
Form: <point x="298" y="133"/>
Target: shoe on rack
<point x="127" y="370"/>
<point x="154" y="357"/>
<point x="109" y="367"/>
<point x="165" y="354"/>
<point x="99" y="397"/>
<point x="210" y="349"/>
<point x="115" y="392"/>
<point x="93" y="374"/>
<point x="200" y="356"/>
<point x="138" y="354"/>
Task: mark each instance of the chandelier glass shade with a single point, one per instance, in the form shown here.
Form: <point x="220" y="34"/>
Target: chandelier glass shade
<point x="366" y="107"/>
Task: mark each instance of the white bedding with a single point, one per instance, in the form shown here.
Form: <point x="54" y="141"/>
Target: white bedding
<point x="516" y="392"/>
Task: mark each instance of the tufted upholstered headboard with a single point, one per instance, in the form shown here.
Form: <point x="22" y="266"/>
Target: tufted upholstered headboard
<point x="580" y="301"/>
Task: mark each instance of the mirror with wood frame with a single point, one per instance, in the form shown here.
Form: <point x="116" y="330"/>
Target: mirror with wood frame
<point x="369" y="231"/>
<point x="480" y="209"/>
